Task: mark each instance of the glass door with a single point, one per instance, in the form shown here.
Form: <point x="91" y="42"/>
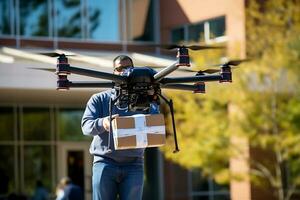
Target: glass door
<point x="75" y="162"/>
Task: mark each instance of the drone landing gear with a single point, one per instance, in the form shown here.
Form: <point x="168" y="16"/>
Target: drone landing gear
<point x="170" y="104"/>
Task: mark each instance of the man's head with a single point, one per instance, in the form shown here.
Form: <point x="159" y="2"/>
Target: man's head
<point x="65" y="181"/>
<point x="121" y="63"/>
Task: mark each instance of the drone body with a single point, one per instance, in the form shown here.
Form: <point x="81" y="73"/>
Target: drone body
<point x="137" y="88"/>
<point x="140" y="90"/>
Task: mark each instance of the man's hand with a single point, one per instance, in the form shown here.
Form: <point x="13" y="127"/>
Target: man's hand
<point x="106" y="123"/>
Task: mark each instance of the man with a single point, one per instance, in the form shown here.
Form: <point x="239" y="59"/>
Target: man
<point x="115" y="172"/>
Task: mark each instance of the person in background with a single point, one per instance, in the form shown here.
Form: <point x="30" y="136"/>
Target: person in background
<point x="70" y="191"/>
<point x="115" y="172"/>
<point x="59" y="192"/>
<point x="40" y="192"/>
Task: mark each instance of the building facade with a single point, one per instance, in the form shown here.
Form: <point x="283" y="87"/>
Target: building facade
<point x="40" y="135"/>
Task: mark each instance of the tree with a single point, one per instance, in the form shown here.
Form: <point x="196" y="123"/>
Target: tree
<point x="268" y="97"/>
<point x="272" y="102"/>
<point x="201" y="124"/>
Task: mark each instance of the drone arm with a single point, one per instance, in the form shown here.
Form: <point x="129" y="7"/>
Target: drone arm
<point x="161" y="74"/>
<point x="78" y="84"/>
<point x="186" y="87"/>
<point x="96" y="74"/>
<point x="191" y="79"/>
<point x="64" y="83"/>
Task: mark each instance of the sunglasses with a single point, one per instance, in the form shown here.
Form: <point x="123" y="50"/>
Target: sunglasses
<point x="120" y="69"/>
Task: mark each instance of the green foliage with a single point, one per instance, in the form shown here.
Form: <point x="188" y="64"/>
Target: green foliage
<point x="272" y="105"/>
<point x="201" y="131"/>
<point x="262" y="104"/>
<point x="205" y="58"/>
<point x="202" y="124"/>
<point x="270" y="24"/>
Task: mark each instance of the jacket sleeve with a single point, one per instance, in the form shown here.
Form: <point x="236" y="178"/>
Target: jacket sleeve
<point x="154" y="108"/>
<point x="91" y="123"/>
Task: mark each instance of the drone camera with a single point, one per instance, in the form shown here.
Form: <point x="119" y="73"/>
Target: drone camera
<point x="63" y="83"/>
<point x="139" y="102"/>
<point x="140" y="91"/>
<point x="183" y="57"/>
<point x="141" y="95"/>
<point x="200" y="87"/>
<point x="226" y="74"/>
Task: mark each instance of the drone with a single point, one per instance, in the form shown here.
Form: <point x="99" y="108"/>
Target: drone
<point x="142" y="86"/>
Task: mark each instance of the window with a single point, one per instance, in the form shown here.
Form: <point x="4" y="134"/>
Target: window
<point x="196" y="32"/>
<point x="203" y="188"/>
<point x="103" y="20"/>
<point x="7" y="166"/>
<point x="6" y="20"/>
<point x="37" y="167"/>
<point x="69" y="122"/>
<point x="7" y="151"/>
<point x="32" y="156"/>
<point x="178" y="35"/>
<point x="7" y="121"/>
<point x="36" y="124"/>
<point x="68" y="18"/>
<point x="206" y="31"/>
<point x="34" y="18"/>
<point x="217" y="27"/>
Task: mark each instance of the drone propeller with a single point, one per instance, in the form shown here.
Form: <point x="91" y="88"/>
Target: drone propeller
<point x="199" y="72"/>
<point x="192" y="47"/>
<point x="54" y="54"/>
<point x="43" y="69"/>
<point x="231" y="63"/>
<point x="206" y="71"/>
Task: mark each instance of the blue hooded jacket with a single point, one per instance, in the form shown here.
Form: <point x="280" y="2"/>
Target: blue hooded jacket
<point x="96" y="110"/>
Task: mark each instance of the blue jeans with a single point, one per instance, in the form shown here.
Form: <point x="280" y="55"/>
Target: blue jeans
<point x="111" y="180"/>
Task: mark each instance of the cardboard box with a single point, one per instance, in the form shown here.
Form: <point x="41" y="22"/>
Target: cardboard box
<point x="139" y="131"/>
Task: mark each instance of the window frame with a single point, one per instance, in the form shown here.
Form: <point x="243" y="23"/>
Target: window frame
<point x="211" y="193"/>
<point x="206" y="31"/>
<point x="15" y="24"/>
<point x="19" y="144"/>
